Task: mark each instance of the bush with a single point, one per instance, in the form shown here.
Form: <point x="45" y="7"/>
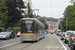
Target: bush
<point x="0" y="30"/>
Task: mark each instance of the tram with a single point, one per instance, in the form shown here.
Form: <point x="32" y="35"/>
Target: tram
<point x="31" y="29"/>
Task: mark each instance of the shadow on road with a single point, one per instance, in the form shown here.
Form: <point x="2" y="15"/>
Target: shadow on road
<point x="28" y="42"/>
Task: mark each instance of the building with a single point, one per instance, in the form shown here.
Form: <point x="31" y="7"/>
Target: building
<point x="52" y="25"/>
<point x="73" y="2"/>
<point x="56" y="25"/>
<point x="48" y="22"/>
<point x="59" y="20"/>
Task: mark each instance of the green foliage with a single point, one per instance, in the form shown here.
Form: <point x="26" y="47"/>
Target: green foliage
<point x="62" y="25"/>
<point x="0" y="30"/>
<point x="29" y="13"/>
<point x="69" y="16"/>
<point x="10" y="12"/>
<point x="50" y="19"/>
<point x="16" y="29"/>
<point x="44" y="22"/>
<point x="3" y="12"/>
<point x="3" y="9"/>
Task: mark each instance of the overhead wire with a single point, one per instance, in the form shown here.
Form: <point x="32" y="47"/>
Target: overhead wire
<point x="51" y="8"/>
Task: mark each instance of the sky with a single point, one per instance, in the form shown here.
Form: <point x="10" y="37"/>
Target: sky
<point x="50" y="8"/>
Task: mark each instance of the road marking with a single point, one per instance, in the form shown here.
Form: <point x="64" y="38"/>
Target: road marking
<point x="61" y="43"/>
<point x="10" y="44"/>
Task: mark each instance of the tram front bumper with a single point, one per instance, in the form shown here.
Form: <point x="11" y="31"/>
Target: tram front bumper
<point x="28" y="39"/>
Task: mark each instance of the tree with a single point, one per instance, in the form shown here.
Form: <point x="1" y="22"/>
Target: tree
<point x="14" y="12"/>
<point x="29" y="11"/>
<point x="62" y="25"/>
<point x="44" y="22"/>
<point x="3" y="12"/>
<point x="50" y="19"/>
<point x="3" y="9"/>
<point x="69" y="16"/>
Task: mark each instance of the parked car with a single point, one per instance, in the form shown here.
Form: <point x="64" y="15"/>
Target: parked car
<point x="67" y="35"/>
<point x="18" y="34"/>
<point x="71" y="41"/>
<point x="4" y="35"/>
<point x="11" y="33"/>
<point x="58" y="32"/>
<point x="63" y="36"/>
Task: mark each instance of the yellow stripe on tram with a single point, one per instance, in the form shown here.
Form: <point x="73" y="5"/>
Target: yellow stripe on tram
<point x="27" y="34"/>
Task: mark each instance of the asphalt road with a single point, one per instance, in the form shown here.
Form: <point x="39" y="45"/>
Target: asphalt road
<point x="9" y="42"/>
<point x="65" y="44"/>
<point x="50" y="42"/>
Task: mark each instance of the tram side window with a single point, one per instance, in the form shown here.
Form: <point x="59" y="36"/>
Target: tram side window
<point x="38" y="27"/>
<point x="32" y="28"/>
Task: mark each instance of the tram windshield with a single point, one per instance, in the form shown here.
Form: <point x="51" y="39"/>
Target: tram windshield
<point x="27" y="28"/>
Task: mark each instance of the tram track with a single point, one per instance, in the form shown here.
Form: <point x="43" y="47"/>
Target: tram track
<point x="26" y="46"/>
<point x="18" y="46"/>
<point x="42" y="44"/>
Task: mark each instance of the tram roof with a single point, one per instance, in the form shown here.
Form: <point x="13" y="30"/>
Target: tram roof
<point x="29" y="18"/>
<point x="32" y="19"/>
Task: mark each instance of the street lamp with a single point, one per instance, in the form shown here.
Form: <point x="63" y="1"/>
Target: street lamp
<point x="66" y="23"/>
